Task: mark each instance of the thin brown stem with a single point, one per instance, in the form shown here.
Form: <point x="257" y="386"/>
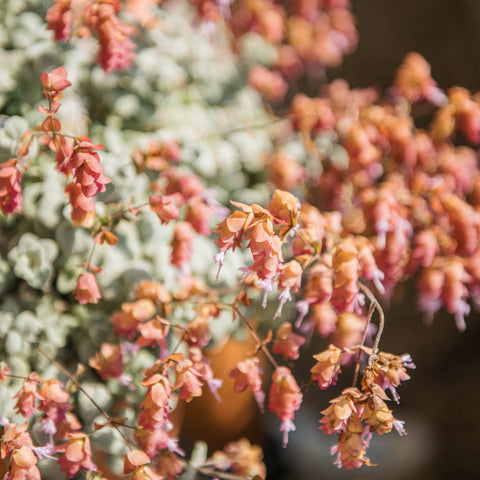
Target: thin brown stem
<point x="357" y="364"/>
<point x="254" y="335"/>
<point x="15" y="376"/>
<point x="381" y="323"/>
<point x="80" y="388"/>
<point x="89" y="261"/>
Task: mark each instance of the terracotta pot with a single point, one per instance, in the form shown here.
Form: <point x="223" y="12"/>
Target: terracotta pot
<point x="237" y="415"/>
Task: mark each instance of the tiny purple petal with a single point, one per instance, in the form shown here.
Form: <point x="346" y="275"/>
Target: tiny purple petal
<point x="260" y="399"/>
<point x="45" y="452"/>
<point x="378" y="277"/>
<point x="302" y="306"/>
<point x="286" y="427"/>
<point x="214" y="384"/>
<point x="267" y="287"/>
<point x="284" y="297"/>
<point x="398" y="424"/>
<point x="47" y="426"/>
<point x="130" y="348"/>
<point x="219" y="258"/>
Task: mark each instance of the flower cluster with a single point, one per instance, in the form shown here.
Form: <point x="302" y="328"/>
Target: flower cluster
<point x="365" y="199"/>
<point x="265" y="229"/>
<point x="99" y="17"/>
<point x="399" y="196"/>
<point x="75" y="157"/>
<point x="355" y="415"/>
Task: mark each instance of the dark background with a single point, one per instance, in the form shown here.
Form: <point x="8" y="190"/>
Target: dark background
<point x="441" y="403"/>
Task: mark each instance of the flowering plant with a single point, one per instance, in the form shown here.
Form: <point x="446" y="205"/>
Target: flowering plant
<point x="110" y="300"/>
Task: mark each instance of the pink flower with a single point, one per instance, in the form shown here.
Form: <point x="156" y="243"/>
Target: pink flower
<point x="164" y="206"/>
<point x="188" y="380"/>
<point x="286" y="342"/>
<point x="322" y="319"/>
<point x="87" y="290"/>
<point x="284" y="399"/>
<point x="285" y="208"/>
<point x="270" y="84"/>
<point x="88" y="171"/>
<point x="202" y="366"/>
<point x="198" y="331"/>
<point x="59" y="18"/>
<point x="247" y="375"/>
<point x="54" y="403"/>
<point x="285" y="171"/>
<point x="182" y="245"/>
<point x="153" y="333"/>
<point x="27" y="395"/>
<point x="126" y="323"/>
<point x="77" y="455"/>
<point x="108" y="362"/>
<point x="116" y="49"/>
<point x="14" y="437"/>
<point x="415" y="83"/>
<point x="54" y="83"/>
<point x="455" y="292"/>
<point x="319" y="287"/>
<point x="289" y="279"/>
<point x="154" y="408"/>
<point x="10" y="188"/>
<point x="83" y="208"/>
<point x="198" y="214"/>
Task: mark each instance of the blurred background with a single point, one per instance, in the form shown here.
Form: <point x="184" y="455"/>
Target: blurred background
<point x="441" y="403"/>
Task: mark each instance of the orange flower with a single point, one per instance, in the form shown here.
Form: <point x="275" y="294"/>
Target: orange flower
<point x="27" y="395"/>
<point x="188" y="380"/>
<point x="77" y="455"/>
<point x="247" y="375"/>
<point x="108" y="362"/>
<point x="54" y="403"/>
<point x="285" y="208"/>
<point x="23" y="465"/>
<point x="327" y="368"/>
<point x="286" y="342"/>
<point x="346" y="267"/>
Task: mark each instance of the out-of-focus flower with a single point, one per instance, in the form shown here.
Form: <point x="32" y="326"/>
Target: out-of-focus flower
<point x="284" y="399"/>
<point x="87" y="290"/>
<point x="247" y="375"/>
<point x="11" y="198"/>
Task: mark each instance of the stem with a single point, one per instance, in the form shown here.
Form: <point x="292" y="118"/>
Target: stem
<point x="254" y="335"/>
<point x="357" y="364"/>
<point x="128" y="209"/>
<point x="80" y="388"/>
<point x="87" y="265"/>
<point x="381" y="323"/>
